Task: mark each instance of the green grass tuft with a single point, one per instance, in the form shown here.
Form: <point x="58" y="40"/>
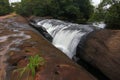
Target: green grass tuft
<point x="34" y="62"/>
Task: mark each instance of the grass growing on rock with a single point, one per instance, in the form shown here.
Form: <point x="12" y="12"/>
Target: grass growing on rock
<point x="34" y="62"/>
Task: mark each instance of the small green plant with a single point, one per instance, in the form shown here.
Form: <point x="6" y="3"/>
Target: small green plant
<point x="34" y="62"/>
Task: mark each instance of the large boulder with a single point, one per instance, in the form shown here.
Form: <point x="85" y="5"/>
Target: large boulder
<point x="102" y="50"/>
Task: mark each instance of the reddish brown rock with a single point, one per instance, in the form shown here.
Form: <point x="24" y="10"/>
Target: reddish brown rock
<point x="14" y="59"/>
<point x="102" y="50"/>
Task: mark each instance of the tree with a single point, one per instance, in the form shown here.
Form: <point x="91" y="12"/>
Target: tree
<point x="113" y="17"/>
<point x="98" y="15"/>
<point x="30" y="7"/>
<point x="85" y="7"/>
<point x="71" y="10"/>
<point x="4" y="7"/>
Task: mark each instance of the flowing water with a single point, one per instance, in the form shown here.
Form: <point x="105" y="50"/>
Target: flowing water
<point x="66" y="36"/>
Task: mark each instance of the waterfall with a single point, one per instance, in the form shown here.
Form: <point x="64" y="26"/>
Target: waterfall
<point x="67" y="41"/>
<point x="66" y="36"/>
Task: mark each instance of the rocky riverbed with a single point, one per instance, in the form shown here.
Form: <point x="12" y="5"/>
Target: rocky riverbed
<point x="18" y="41"/>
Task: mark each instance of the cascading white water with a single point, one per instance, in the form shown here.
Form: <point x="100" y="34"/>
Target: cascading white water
<point x="66" y="36"/>
<point x="67" y="41"/>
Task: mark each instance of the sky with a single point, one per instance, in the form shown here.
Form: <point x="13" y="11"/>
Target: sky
<point x="14" y="1"/>
<point x="95" y="2"/>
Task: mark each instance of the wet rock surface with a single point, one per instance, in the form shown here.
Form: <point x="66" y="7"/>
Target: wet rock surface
<point x="102" y="50"/>
<point x="9" y="36"/>
<point x="18" y="41"/>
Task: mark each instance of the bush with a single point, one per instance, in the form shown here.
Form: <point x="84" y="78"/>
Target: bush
<point x="5" y="7"/>
<point x="113" y="17"/>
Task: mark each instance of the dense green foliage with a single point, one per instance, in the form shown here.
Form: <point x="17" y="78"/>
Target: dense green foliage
<point x="4" y="7"/>
<point x="98" y="15"/>
<point x="72" y="10"/>
<point x="111" y="15"/>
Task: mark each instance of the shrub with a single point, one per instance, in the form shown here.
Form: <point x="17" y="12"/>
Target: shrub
<point x="113" y="17"/>
<point x="5" y="7"/>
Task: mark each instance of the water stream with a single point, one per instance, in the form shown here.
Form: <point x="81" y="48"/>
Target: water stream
<point x="66" y="36"/>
